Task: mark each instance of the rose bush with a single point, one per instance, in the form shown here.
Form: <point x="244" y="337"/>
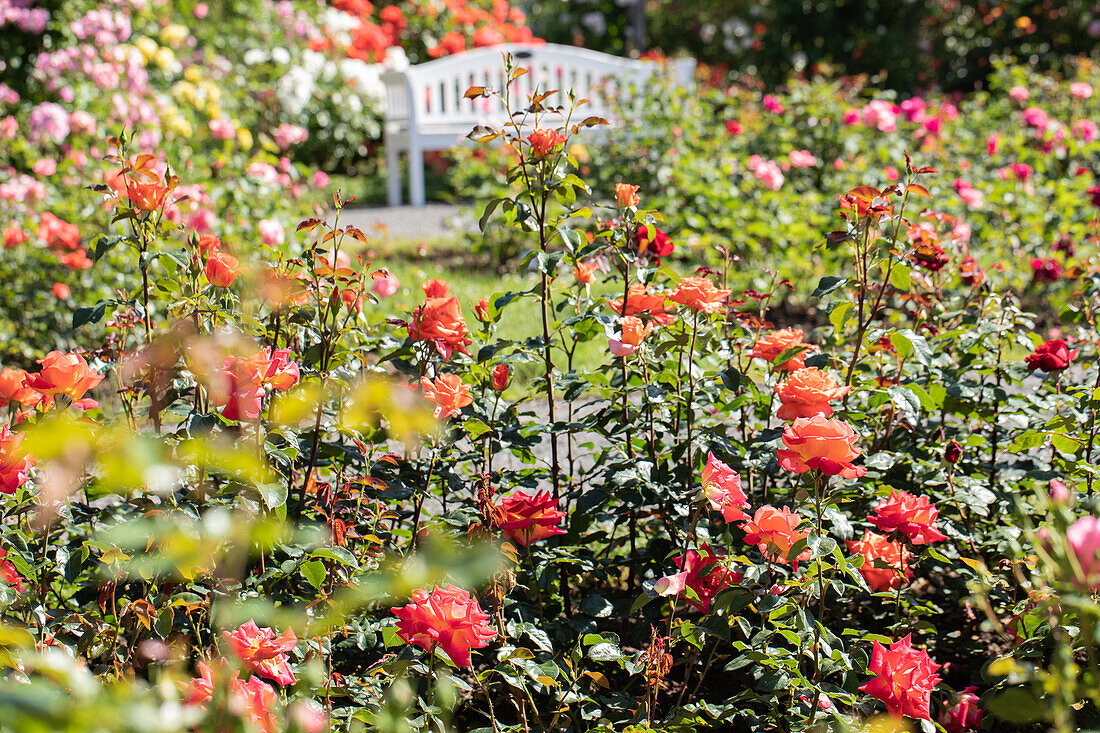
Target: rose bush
<point x="250" y="491"/>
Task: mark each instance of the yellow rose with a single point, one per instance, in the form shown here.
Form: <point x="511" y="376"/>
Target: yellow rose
<point x="244" y="137"/>
<point x="147" y="46"/>
<point x="164" y="57"/>
<point x="174" y="34"/>
<point x="193" y="74"/>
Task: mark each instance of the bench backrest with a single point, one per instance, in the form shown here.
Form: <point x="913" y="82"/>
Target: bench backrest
<point x="431" y="94"/>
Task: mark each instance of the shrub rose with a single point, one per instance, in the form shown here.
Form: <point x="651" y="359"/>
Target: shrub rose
<point x="500" y="376"/>
<point x="1083" y="538"/>
<point x="775" y="532"/>
<point x="904" y="678"/>
<point x="448" y="618"/>
<point x="704" y="572"/>
<point x="584" y="272"/>
<point x="543" y="142"/>
<point x="526" y="518"/>
<point x="820" y="444"/>
<point x="14" y="390"/>
<point x="15" y="462"/>
<point x="722" y="487"/>
<point x="771" y="346"/>
<point x="8" y="573"/>
<point x="699" y="293"/>
<point x="448" y="393"/>
<point x="1052" y="356"/>
<point x="877" y="549"/>
<point x="221" y="269"/>
<point x="964" y="715"/>
<point x="633" y="332"/>
<point x="913" y="516"/>
<point x="626" y="195"/>
<point x="807" y="392"/>
<point x="264" y="652"/>
<point x="439" y="320"/>
<point x="65" y="374"/>
<point x="639" y="301"/>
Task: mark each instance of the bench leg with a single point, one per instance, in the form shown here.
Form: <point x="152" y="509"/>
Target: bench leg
<point x="416" y="176"/>
<point x="393" y="175"/>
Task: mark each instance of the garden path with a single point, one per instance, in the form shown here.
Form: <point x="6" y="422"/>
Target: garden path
<point x="408" y="222"/>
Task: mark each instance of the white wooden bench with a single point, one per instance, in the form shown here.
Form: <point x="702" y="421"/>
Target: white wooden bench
<point x="426" y="110"/>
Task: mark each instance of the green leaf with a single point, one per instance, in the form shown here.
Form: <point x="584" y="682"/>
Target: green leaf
<point x="1016" y="705"/>
<point x="274" y="493"/>
<point x="92" y="314"/>
<point x="826" y="285"/>
<point x="900" y="277"/>
<point x="314" y="571"/>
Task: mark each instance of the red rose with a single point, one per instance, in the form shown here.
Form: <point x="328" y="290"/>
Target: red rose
<point x="448" y="618"/>
<point x="1051" y="356"/>
<point x="912" y="515"/>
<point x="527" y="518"/>
<point x="904" y="678"/>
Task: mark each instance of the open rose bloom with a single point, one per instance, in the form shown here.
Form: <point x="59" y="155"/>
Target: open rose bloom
<point x="263" y="651"/>
<point x="15" y="462"/>
<point x="440" y="322"/>
<point x="904" y="678"/>
<point x="447" y="618"/>
<point x="722" y="487"/>
<point x="526" y="518"/>
<point x="633" y="331"/>
<point x="820" y="444"/>
<point x="65" y="374"/>
<point x="704" y="572"/>
<point x="775" y="532"/>
<point x="878" y="551"/>
<point x="699" y="293"/>
<point x="771" y="347"/>
<point x="808" y="392"/>
<point x="913" y="516"/>
<point x="448" y="393"/>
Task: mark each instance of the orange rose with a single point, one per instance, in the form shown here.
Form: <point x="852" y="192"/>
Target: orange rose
<point x="13" y="389"/>
<point x="875" y="547"/>
<point x="641" y="302"/>
<point x="65" y="374"/>
<point x="448" y="393"/>
<point x="820" y="444"/>
<point x="626" y="195"/>
<point x="633" y="331"/>
<point x="221" y="269"/>
<point x="807" y="393"/>
<point x="584" y="272"/>
<point x="436" y="289"/>
<point x="771" y="346"/>
<point x="543" y="141"/>
<point x="440" y="321"/>
<point x="699" y="294"/>
<point x="525" y="518"/>
<point x="775" y="532"/>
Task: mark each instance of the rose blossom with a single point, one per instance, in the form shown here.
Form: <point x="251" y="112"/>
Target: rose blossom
<point x="807" y="392"/>
<point x="626" y="195"/>
<point x="820" y="444"/>
<point x="1080" y="90"/>
<point x="703" y="572"/>
<point x="65" y="374"/>
<point x="875" y="547"/>
<point x="524" y="518"/>
<point x="775" y="532"/>
<point x="639" y="301"/>
<point x="500" y="375"/>
<point x="440" y="321"/>
<point x="221" y="269"/>
<point x="1083" y="538"/>
<point x="771" y="346"/>
<point x="15" y="462"/>
<point x="8" y="573"/>
<point x="264" y="652"/>
<point x="543" y="142"/>
<point x="271" y="232"/>
<point x="653" y="242"/>
<point x="904" y="678"/>
<point x="699" y="293"/>
<point x="722" y="487"/>
<point x="584" y="272"/>
<point x="448" y="393"/>
<point x="447" y="618"/>
<point x="964" y="715"/>
<point x="632" y="334"/>
<point x="911" y="515"/>
<point x="385" y="284"/>
<point x="1052" y="356"/>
